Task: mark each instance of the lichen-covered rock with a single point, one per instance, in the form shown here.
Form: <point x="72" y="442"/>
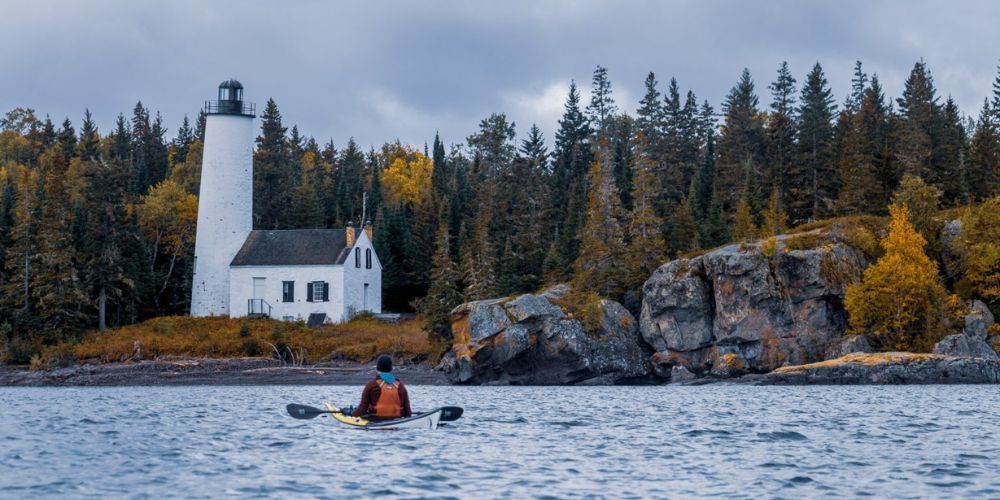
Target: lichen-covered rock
<point x="888" y="368"/>
<point x="851" y="344"/>
<point x="767" y="311"/>
<point x="961" y="344"/>
<point x="537" y="342"/>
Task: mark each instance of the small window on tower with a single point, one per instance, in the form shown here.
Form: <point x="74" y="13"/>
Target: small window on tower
<point x="357" y="257"/>
<point x="368" y="258"/>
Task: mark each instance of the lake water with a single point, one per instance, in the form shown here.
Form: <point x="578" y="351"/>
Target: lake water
<point x="513" y="441"/>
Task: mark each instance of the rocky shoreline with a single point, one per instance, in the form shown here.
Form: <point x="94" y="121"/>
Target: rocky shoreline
<point x="211" y="371"/>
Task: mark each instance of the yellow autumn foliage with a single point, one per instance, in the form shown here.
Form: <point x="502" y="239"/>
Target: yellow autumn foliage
<point x="408" y="178"/>
<point x="168" y="215"/>
<point x="980" y="248"/>
<point x="900" y="303"/>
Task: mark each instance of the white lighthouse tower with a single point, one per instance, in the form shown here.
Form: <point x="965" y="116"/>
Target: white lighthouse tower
<point x="225" y="203"/>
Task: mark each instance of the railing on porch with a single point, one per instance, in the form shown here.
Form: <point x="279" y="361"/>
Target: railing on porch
<point x="258" y="308"/>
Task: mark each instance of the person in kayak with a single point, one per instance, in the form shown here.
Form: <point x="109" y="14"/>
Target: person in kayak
<point x="384" y="397"/>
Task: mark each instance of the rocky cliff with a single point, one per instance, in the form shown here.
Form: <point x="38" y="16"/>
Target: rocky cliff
<point x="531" y="339"/>
<point x="748" y="308"/>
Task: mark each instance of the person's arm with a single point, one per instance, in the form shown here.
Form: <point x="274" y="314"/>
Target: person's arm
<point x="404" y="398"/>
<point x="366" y="401"/>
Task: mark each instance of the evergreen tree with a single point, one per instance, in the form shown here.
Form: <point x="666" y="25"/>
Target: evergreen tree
<point x="649" y="116"/>
<point x="568" y="182"/>
<point x="602" y="105"/>
<point x="646" y="247"/>
<point x="781" y="131"/>
<point x="272" y="179"/>
<point x="864" y="164"/>
<point x="950" y="155"/>
<point x="66" y="137"/>
<point x="740" y="147"/>
<point x="920" y="120"/>
<point x="812" y="179"/>
<point x="983" y="173"/>
<point x="600" y="267"/>
<point x="684" y="235"/>
<point x="443" y="294"/>
<point x="185" y="137"/>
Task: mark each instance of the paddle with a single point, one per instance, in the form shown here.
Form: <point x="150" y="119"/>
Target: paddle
<point x="303" y="412"/>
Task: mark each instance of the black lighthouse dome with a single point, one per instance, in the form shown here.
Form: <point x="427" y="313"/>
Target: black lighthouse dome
<point x="230" y="101"/>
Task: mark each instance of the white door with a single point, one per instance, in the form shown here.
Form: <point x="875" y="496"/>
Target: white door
<point x="258" y="288"/>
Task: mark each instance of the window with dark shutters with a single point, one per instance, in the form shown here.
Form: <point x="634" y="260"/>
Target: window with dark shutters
<point x="368" y="258"/>
<point x="288" y="291"/>
<point x="357" y="257"/>
<point x="318" y="291"/>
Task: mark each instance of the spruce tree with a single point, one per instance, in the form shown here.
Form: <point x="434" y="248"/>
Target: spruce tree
<point x="812" y="180"/>
<point x="571" y="158"/>
<point x="602" y="105"/>
<point x="864" y="161"/>
<point x="950" y="154"/>
<point x="442" y="294"/>
<point x="740" y="147"/>
<point x="920" y="123"/>
<point x="781" y="132"/>
<point x="272" y="179"/>
<point x="983" y="173"/>
<point x="646" y="248"/>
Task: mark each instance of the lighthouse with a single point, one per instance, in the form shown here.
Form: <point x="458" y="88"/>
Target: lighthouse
<point x="225" y="204"/>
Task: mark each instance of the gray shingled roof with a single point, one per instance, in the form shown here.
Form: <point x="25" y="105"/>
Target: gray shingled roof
<point x="293" y="247"/>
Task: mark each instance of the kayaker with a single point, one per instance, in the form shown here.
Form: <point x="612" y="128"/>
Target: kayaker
<point x="384" y="397"/>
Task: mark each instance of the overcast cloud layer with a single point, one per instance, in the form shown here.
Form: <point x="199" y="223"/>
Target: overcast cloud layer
<point x="382" y="70"/>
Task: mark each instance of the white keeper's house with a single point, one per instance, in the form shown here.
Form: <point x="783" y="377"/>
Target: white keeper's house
<point x="320" y="275"/>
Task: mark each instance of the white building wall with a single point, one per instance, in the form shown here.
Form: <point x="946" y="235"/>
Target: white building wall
<point x="241" y="280"/>
<point x="355" y="278"/>
<point x="225" y="210"/>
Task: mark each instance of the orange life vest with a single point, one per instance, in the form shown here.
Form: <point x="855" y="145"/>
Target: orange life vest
<point x="388" y="404"/>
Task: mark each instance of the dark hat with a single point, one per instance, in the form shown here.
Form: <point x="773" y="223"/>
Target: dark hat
<point x="384" y="364"/>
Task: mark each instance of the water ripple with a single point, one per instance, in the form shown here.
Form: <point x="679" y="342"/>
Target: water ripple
<point x="558" y="442"/>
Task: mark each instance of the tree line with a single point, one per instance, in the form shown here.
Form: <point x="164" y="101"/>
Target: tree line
<point x="98" y="229"/>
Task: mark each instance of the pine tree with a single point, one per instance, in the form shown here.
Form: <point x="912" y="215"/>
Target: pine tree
<point x="90" y="139"/>
<point x="479" y="265"/>
<point x="950" y="153"/>
<point x="863" y="164"/>
<point x="649" y="116"/>
<point x="67" y="140"/>
<point x="272" y="179"/>
<point x="983" y="172"/>
<point x="740" y="147"/>
<point x="182" y="143"/>
<point x="781" y="132"/>
<point x="600" y="267"/>
<point x="602" y="105"/>
<point x="684" y="235"/>
<point x="646" y="248"/>
<point x="572" y="157"/>
<point x="812" y="179"/>
<point x="443" y="294"/>
<point x="920" y="117"/>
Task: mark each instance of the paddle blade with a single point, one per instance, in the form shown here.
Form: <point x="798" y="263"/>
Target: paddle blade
<point x="303" y="412"/>
<point x="451" y="413"/>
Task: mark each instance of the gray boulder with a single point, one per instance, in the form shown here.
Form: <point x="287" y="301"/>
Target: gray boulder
<point x="735" y="301"/>
<point x="961" y="344"/>
<point x="851" y="344"/>
<point x="978" y="320"/>
<point x="537" y="343"/>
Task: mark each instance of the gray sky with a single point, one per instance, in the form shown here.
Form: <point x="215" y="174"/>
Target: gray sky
<point x="381" y="70"/>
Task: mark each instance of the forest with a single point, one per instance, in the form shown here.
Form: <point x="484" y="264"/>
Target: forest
<point x="97" y="229"/>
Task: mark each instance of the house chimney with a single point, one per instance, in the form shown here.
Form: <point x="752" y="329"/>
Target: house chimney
<point x="368" y="230"/>
<point x="349" y="233"/>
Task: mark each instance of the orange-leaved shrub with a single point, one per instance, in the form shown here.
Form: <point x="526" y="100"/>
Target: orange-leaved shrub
<point x="900" y="303"/>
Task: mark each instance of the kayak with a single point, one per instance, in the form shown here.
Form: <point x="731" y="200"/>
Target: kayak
<point x="426" y="420"/>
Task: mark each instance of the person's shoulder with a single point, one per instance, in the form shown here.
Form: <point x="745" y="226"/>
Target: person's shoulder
<point x="371" y="384"/>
